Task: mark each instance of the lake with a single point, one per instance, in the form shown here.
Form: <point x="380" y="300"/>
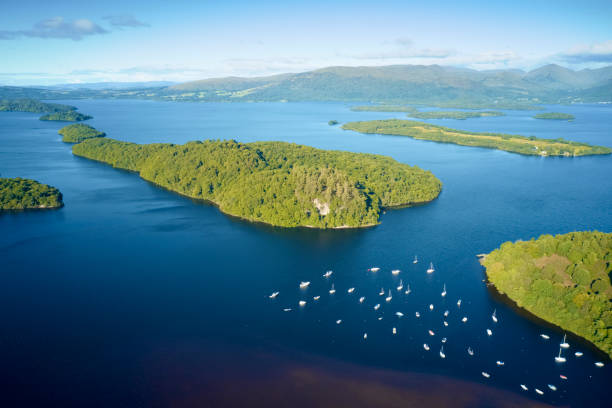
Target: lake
<point x="131" y="295"/>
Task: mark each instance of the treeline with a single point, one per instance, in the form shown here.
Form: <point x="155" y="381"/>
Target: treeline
<point x="564" y="279"/>
<point x="555" y="116"/>
<point x="277" y="183"/>
<point x="69" y="116"/>
<point x="383" y="108"/>
<point x="461" y="115"/>
<point x="32" y="105"/>
<point x="19" y="194"/>
<point x="77" y="132"/>
<point x="511" y="143"/>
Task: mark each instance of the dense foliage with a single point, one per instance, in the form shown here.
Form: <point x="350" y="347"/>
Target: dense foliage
<point x="69" y="116"/>
<point x="77" y="132"/>
<point x="555" y="116"/>
<point x="32" y="105"/>
<point x="19" y="194"/>
<point x="563" y="279"/>
<point x="510" y="143"/>
<point x="332" y="122"/>
<point x="274" y="182"/>
<point x="462" y="115"/>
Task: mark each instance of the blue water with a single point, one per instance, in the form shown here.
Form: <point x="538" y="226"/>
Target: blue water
<point x="133" y="296"/>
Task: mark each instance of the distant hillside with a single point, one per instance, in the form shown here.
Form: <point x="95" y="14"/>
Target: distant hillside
<point x="400" y="84"/>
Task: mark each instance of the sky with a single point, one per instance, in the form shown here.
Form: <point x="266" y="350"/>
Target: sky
<point x="58" y="42"/>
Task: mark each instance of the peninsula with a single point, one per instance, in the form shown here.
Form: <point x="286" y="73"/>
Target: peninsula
<point x="20" y="194"/>
<point x="563" y="279"/>
<point x="277" y="183"/>
<point x="77" y="132"/>
<point x="65" y="116"/>
<point x="511" y="143"/>
<point x="32" y="105"/>
<point x="461" y="115"/>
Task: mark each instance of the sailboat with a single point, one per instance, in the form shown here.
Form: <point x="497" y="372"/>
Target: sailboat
<point x="302" y="303"/>
<point x="361" y="299"/>
<point x="332" y="290"/>
<point x="565" y="344"/>
<point x="316" y="297"/>
<point x="401" y="285"/>
<point x="304" y="285"/>
<point x="494" y="316"/>
<point x="382" y="292"/>
<point x="395" y="272"/>
<point x="559" y="358"/>
<point x="273" y="295"/>
<point x="442" y="352"/>
<point x="377" y="306"/>
<point x="327" y="274"/>
<point x="407" y="290"/>
<point x="351" y="290"/>
<point x="489" y="332"/>
<point x="444" y="291"/>
<point x="394" y="330"/>
<point x="425" y="346"/>
<point x="417" y="314"/>
<point x="459" y="303"/>
<point x="399" y="314"/>
<point x="470" y="351"/>
<point x="431" y="307"/>
<point x="446" y="312"/>
<point x="431" y="268"/>
<point x="416" y="260"/>
<point x="389" y="297"/>
<point x="464" y="319"/>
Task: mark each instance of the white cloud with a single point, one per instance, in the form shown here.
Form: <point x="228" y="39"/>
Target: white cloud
<point x="594" y="53"/>
<point x="57" y="27"/>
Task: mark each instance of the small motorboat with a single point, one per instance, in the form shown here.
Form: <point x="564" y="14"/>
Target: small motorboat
<point x="431" y="268"/>
<point x="401" y="286"/>
<point x="399" y="314"/>
<point x="545" y="336"/>
<point x="304" y="285"/>
<point x="499" y="363"/>
<point x="489" y="332"/>
<point x="316" y="297"/>
<point x="288" y="309"/>
<point x="395" y="272"/>
<point x="338" y="321"/>
<point x="377" y="306"/>
<point x="273" y="295"/>
<point x="579" y="354"/>
<point x="327" y="274"/>
<point x="361" y="299"/>
<point x="494" y="316"/>
<point x="539" y="391"/>
<point x="564" y="344"/>
<point x="431" y="307"/>
<point x="445" y="323"/>
<point x="464" y="319"/>
<point x="374" y="269"/>
<point x="562" y="377"/>
<point x="417" y="314"/>
<point x="524" y="387"/>
<point x="599" y="364"/>
<point x="552" y="387"/>
<point x="389" y="297"/>
<point x="425" y="346"/>
<point x="459" y="303"/>
<point x="470" y="351"/>
<point x="443" y="291"/>
<point x="486" y="375"/>
<point x="365" y="336"/>
<point x="302" y="303"/>
<point x="380" y="318"/>
<point x="332" y="290"/>
<point x="416" y="260"/>
<point x="443" y="339"/>
<point x="431" y="333"/>
<point x="442" y="355"/>
<point x="446" y="312"/>
<point x="394" y="330"/>
<point x="351" y="290"/>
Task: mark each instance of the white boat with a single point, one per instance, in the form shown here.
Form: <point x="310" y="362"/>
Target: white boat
<point x="545" y="336"/>
<point x="443" y="339"/>
<point x="559" y="358"/>
<point x="351" y="290"/>
<point x="552" y="387"/>
<point x="561" y="376"/>
<point x="302" y="303"/>
<point x="417" y="314"/>
<point x="486" y="375"/>
<point x="431" y="333"/>
<point x="273" y="295"/>
<point x="442" y="355"/>
<point x="361" y="299"/>
<point x="304" y="285"/>
<point x="470" y="351"/>
<point x="431" y="268"/>
<point x="565" y="344"/>
<point x="494" y="316"/>
<point x="538" y="391"/>
<point x="380" y="318"/>
<point x="445" y="323"/>
<point x="489" y="332"/>
<point x="394" y="330"/>
<point x="425" y="346"/>
<point x="524" y="387"/>
<point x="395" y="272"/>
<point x="399" y="314"/>
<point x="365" y="336"/>
<point x="389" y="297"/>
<point x="430" y="307"/>
<point x="459" y="303"/>
<point x="446" y="312"/>
<point x="599" y="364"/>
<point x="416" y="260"/>
<point x="374" y="269"/>
<point x="338" y="321"/>
<point x="288" y="309"/>
<point x="382" y="292"/>
<point x="464" y="319"/>
<point x="579" y="354"/>
<point x="499" y="363"/>
<point x="377" y="306"/>
<point x="327" y="274"/>
<point x="401" y="285"/>
<point x="444" y="291"/>
<point x="408" y="289"/>
<point x="332" y="290"/>
<point x="317" y="297"/>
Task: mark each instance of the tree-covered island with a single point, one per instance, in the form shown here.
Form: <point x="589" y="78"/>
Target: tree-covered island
<point x="67" y="116"/>
<point x="32" y="105"/>
<point x="383" y="108"/>
<point x="511" y="143"/>
<point x="461" y="115"/>
<point x="20" y="194"/>
<point x="77" y="132"/>
<point x="555" y="116"/>
<point x="563" y="279"/>
<point x="277" y="183"/>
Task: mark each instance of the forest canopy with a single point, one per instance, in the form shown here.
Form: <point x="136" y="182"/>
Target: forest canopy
<point x="32" y="105"/>
<point x="555" y="116"/>
<point x="65" y="116"/>
<point x="19" y="194"/>
<point x="461" y="115"/>
<point x="564" y="279"/>
<point x="511" y="143"/>
<point x="277" y="183"/>
<point x="77" y="132"/>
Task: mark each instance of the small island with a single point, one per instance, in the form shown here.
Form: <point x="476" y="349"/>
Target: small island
<point x="21" y="194"/>
<point x="65" y="116"/>
<point x="277" y="183"/>
<point x="461" y="115"/>
<point x="32" y="105"/>
<point x="531" y="145"/>
<point x="563" y="279"/>
<point x="332" y="122"/>
<point x="78" y="132"/>
<point x="383" y="108"/>
<point x="555" y="116"/>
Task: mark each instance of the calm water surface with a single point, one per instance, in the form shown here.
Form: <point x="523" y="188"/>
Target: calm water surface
<point x="133" y="296"/>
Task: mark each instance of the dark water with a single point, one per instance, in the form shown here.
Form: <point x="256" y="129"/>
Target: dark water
<point x="133" y="296"/>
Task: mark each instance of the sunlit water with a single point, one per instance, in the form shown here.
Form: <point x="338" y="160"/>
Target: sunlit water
<point x="131" y="295"/>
